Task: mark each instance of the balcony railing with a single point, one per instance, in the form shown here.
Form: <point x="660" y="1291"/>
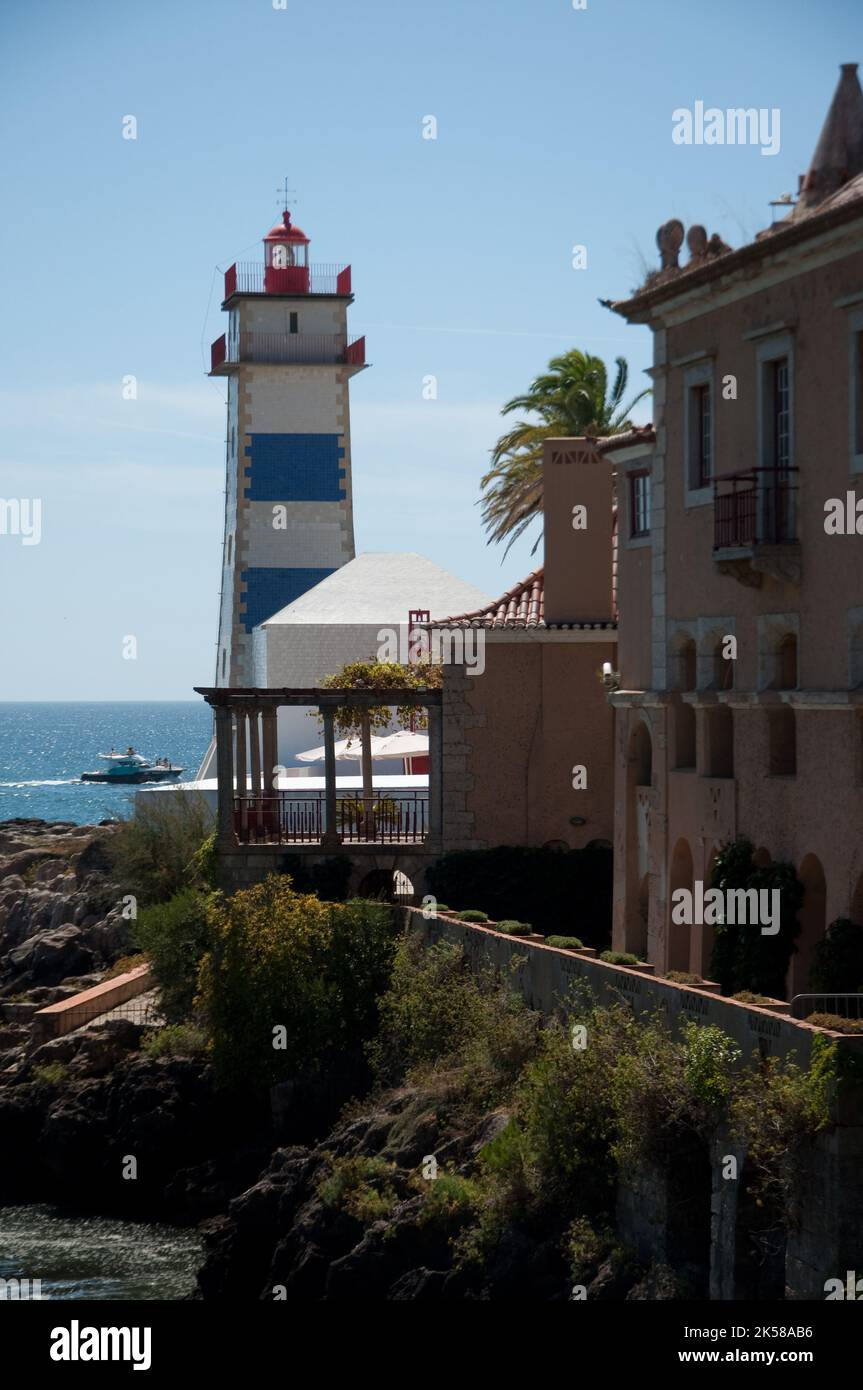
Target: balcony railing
<point x="289" y="820"/>
<point x="308" y="348"/>
<point x="250" y="277"/>
<point x="755" y="507"/>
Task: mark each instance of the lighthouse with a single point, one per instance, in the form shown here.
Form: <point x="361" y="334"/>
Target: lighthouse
<point x="288" y="361"/>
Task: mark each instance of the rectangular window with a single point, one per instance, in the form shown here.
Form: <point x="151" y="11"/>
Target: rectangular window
<point x="295" y="323"/>
<point x="639" y="504"/>
<point x="704" y="436"/>
<point x="780" y="407"/>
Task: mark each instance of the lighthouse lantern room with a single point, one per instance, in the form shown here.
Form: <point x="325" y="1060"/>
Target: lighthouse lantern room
<point x="286" y="259"/>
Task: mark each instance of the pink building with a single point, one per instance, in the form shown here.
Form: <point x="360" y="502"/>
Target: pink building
<point x="740" y="707"/>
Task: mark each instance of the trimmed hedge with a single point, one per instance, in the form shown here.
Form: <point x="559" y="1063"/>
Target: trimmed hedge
<point x="565" y="943"/>
<point x="513" y="928"/>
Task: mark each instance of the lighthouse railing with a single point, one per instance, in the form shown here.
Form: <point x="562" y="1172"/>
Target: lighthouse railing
<point x="248" y="277"/>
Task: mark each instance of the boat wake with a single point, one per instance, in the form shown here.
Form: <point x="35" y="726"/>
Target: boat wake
<point x="51" y="782"/>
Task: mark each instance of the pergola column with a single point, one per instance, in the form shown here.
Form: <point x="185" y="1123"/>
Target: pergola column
<point x="330" y="837"/>
<point x="255" y="753"/>
<point x="242" y="760"/>
<point x="435" y="727"/>
<point x="225" y="775"/>
<point x="270" y="746"/>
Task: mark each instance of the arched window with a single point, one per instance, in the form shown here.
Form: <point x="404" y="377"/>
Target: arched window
<point x="723" y="668"/>
<point x="720" y="742"/>
<point x="782" y="742"/>
<point x="785" y="663"/>
<point x="683" y="664"/>
<point x="684" y="736"/>
<point x="641" y="756"/>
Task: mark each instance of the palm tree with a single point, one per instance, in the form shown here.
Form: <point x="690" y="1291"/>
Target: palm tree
<point x="571" y="398"/>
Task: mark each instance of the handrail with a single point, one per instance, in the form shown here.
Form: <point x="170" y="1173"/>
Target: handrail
<point x="799" y="1003"/>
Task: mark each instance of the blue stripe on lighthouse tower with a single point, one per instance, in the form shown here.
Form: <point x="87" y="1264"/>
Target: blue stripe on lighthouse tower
<point x="267" y="591"/>
<point x="295" y="468"/>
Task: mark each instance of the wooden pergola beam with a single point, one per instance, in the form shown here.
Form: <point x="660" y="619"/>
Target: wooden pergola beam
<point x="225" y="698"/>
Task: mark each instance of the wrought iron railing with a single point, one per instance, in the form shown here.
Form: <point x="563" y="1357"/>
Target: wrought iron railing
<point x="309" y="348"/>
<point x="251" y="277"/>
<point x="280" y="818"/>
<point x="845" y="1005"/>
<point x="755" y="507"/>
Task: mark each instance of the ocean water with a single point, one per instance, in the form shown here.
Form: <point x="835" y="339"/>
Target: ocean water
<point x="95" y="1256"/>
<point x="44" y="748"/>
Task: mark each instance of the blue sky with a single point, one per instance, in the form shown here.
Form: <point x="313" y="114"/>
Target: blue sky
<point x="554" y="128"/>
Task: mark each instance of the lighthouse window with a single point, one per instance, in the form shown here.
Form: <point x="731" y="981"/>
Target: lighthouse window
<point x="295" y="323"/>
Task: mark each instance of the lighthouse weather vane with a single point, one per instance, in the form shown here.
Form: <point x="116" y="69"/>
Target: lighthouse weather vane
<point x="284" y="200"/>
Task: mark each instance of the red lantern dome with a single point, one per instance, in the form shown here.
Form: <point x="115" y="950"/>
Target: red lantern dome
<point x="286" y="259"/>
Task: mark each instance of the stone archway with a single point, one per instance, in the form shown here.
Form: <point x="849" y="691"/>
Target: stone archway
<point x="813" y="921"/>
<point x="680" y="935"/>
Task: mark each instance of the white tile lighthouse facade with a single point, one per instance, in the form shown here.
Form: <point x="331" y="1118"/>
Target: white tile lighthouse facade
<point x="288" y="360"/>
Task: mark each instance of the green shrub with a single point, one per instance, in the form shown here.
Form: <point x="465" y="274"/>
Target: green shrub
<point x="50" y="1074"/>
<point x="442" y="907"/>
<point x="471" y="915"/>
<point x="290" y="981"/>
<point x="175" y="936"/>
<point x="124" y="965"/>
<point x="748" y="996"/>
<point x="837" y="1022"/>
<point x="513" y="928"/>
<point x="776" y="1108"/>
<point x="154" y="853"/>
<point x="620" y="958"/>
<point x="683" y="977"/>
<point x="565" y="943"/>
<point x="743" y="958"/>
<point x="177" y="1040"/>
<point x="204" y="864"/>
<point x="837" y="960"/>
<point x="438" y="1020"/>
<point x="450" y="1199"/>
<point x="363" y="1187"/>
<point x="529" y="883"/>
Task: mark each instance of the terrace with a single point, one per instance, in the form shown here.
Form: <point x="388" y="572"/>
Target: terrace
<point x="256" y="810"/>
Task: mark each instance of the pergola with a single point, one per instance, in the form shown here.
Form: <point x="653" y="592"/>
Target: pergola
<point x="252" y="808"/>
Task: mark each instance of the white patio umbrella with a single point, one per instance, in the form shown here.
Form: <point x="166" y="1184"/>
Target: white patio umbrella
<point x="401" y="744"/>
<point x="345" y="748"/>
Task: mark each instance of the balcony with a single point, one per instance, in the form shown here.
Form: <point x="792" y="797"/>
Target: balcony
<point x="282" y="819"/>
<point x="251" y="277"/>
<point x="755" y="525"/>
<point x="306" y="349"/>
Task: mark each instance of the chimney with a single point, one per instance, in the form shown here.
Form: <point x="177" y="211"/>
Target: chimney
<point x="577" y="503"/>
